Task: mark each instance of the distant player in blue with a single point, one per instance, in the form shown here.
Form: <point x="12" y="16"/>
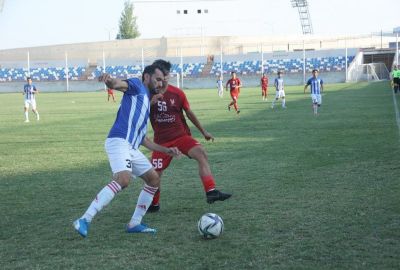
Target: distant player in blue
<point x="220" y="86"/>
<point x="30" y="92"/>
<point x="317" y="87"/>
<point x="280" y="90"/>
<point x="122" y="147"/>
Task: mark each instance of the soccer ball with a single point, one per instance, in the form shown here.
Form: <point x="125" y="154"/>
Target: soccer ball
<point x="210" y="226"/>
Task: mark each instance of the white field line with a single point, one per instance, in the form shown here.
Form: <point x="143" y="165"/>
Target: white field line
<point x="396" y="111"/>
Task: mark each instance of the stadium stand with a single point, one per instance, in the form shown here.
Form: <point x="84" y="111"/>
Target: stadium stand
<point x="118" y="71"/>
<point x="287" y="65"/>
<point x="40" y="74"/>
<point x="190" y="69"/>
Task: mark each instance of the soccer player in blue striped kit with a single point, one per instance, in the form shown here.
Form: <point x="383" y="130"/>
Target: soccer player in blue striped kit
<point x="122" y="147"/>
<point x="30" y="92"/>
<point x="317" y="87"/>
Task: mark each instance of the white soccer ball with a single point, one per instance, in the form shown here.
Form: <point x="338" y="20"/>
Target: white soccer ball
<point x="210" y="225"/>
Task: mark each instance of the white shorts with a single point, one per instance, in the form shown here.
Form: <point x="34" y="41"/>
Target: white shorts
<point x="30" y="102"/>
<point x="123" y="158"/>
<point x="280" y="94"/>
<point x="220" y="92"/>
<point x="316" y="99"/>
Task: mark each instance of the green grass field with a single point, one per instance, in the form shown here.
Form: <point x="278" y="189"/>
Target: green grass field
<point x="308" y="192"/>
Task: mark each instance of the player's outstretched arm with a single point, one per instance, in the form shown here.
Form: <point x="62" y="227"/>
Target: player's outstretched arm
<point x="113" y="83"/>
<point x="172" y="151"/>
<point x="193" y="118"/>
<point x="305" y="88"/>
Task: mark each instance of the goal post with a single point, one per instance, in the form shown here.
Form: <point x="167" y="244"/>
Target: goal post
<point x="369" y="72"/>
<point x="176" y="78"/>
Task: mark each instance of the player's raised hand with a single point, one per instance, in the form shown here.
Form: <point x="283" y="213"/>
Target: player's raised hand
<point x="105" y="77"/>
<point x="174" y="151"/>
<point x="156" y="98"/>
<point x="116" y="84"/>
<point x="208" y="136"/>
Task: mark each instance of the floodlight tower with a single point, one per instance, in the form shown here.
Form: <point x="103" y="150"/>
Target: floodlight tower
<point x="304" y="14"/>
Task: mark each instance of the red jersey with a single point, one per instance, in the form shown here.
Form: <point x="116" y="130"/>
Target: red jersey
<point x="233" y="84"/>
<point x="264" y="81"/>
<point x="166" y="116"/>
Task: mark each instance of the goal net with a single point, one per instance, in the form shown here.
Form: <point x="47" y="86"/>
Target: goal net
<point x="369" y="72"/>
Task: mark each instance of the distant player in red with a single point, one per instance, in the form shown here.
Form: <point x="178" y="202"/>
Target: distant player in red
<point x="170" y="128"/>
<point x="264" y="86"/>
<point x="110" y="93"/>
<point x="234" y="86"/>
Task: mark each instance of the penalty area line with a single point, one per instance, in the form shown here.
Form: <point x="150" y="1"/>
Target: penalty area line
<point x="396" y="111"/>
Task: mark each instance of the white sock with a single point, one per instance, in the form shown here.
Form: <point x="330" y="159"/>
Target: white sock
<point x="103" y="198"/>
<point x="37" y="115"/>
<point x="283" y="102"/>
<point x="143" y="203"/>
<point x="26" y="116"/>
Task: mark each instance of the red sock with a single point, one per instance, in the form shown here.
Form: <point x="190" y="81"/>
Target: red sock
<point x="208" y="182"/>
<point x="156" y="198"/>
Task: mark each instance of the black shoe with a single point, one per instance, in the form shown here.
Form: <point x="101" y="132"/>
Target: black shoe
<point x="229" y="108"/>
<point x="153" y="208"/>
<point x="238" y="111"/>
<point x="216" y="195"/>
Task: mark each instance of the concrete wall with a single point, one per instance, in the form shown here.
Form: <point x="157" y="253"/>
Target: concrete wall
<point x="132" y="49"/>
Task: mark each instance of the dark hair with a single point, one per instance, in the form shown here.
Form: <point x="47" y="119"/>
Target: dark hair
<point x="164" y="65"/>
<point x="279" y="73"/>
<point x="28" y="78"/>
<point x="151" y="69"/>
<point x="314" y="70"/>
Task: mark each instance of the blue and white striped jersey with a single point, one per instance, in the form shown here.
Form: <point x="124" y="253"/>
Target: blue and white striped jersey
<point x="278" y="84"/>
<point x="28" y="90"/>
<point x="133" y="114"/>
<point x="316" y="84"/>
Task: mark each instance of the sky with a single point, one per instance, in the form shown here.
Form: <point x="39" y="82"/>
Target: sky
<point x="30" y="23"/>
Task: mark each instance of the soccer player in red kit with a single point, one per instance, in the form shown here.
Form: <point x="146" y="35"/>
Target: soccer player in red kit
<point x="170" y="128"/>
<point x="234" y="86"/>
<point x="110" y="93"/>
<point x="264" y="86"/>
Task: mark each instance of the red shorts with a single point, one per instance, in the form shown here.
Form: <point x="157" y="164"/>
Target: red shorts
<point x="110" y="91"/>
<point x="161" y="160"/>
<point x="234" y="95"/>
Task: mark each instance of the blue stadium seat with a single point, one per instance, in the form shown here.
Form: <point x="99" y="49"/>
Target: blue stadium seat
<point x="286" y="65"/>
<point x="250" y="67"/>
<point x="40" y="74"/>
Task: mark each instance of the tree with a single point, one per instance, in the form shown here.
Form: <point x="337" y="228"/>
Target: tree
<point x="127" y="23"/>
